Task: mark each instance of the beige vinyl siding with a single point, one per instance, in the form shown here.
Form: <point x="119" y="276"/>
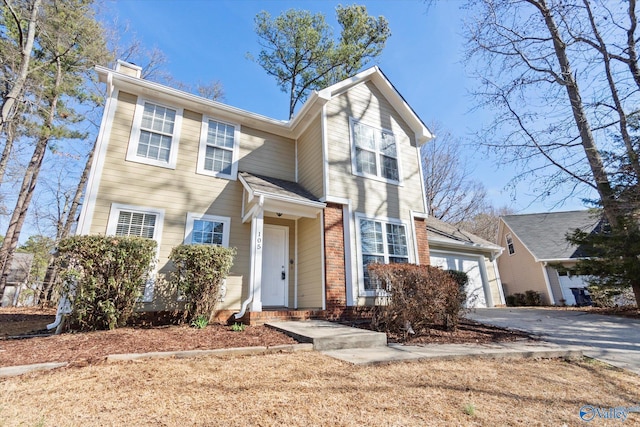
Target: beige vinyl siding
<point x="266" y="154"/>
<point x="182" y="190"/>
<point x="364" y="103"/>
<point x="310" y="162"/>
<point x="520" y="272"/>
<point x="492" y="278"/>
<point x="309" y="263"/>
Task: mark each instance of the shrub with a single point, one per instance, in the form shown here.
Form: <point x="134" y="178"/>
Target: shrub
<point x="529" y="298"/>
<point x="611" y="296"/>
<point x="532" y="298"/>
<point x="200" y="271"/>
<point x="419" y="297"/>
<point x="108" y="273"/>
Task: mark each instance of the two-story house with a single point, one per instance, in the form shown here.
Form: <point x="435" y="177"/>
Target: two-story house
<point x="308" y="202"/>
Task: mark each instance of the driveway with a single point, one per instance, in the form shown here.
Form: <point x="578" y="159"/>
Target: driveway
<point x="611" y="339"/>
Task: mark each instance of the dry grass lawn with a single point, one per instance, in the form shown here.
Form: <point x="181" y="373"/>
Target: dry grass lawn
<point x="309" y="389"/>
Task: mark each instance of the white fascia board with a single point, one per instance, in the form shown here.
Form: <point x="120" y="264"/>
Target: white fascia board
<point x="291" y="200"/>
<point x="562" y="259"/>
<point x="463" y="245"/>
<point x="147" y="88"/>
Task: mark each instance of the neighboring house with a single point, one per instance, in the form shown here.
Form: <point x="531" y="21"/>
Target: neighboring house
<point x="535" y="243"/>
<point x="308" y="202"/>
<point x="17" y="281"/>
<point x="454" y="249"/>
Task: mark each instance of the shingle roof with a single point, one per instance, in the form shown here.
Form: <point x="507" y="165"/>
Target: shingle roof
<point x="544" y="234"/>
<point x="277" y="187"/>
<point x="444" y="232"/>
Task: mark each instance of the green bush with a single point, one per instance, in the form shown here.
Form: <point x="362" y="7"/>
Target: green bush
<point x="420" y="297"/>
<point x="109" y="274"/>
<point x="200" y="271"/>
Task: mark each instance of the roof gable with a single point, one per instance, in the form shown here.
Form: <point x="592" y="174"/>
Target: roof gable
<point x="390" y="93"/>
<point x="544" y="234"/>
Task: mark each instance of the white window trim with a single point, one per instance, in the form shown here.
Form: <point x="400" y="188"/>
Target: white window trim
<point x="204" y="127"/>
<point x="134" y="139"/>
<point x="508" y="237"/>
<point x="359" y="216"/>
<point x="192" y="216"/>
<point x="112" y="224"/>
<point x="354" y="166"/>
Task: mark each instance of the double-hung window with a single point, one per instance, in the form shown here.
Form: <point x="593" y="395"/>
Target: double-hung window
<point x="204" y="229"/>
<point x="155" y="134"/>
<point x="510" y="247"/>
<point x="375" y="152"/>
<point x="381" y="242"/>
<point x="218" y="154"/>
<point x="127" y="220"/>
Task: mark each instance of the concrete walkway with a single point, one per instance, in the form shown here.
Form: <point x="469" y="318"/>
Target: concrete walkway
<point x="612" y="339"/>
<point x="362" y="347"/>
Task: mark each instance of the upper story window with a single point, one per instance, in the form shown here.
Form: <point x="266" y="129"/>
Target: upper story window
<point x="510" y="246"/>
<point x="126" y="220"/>
<point x="375" y="152"/>
<point x="202" y="229"/>
<point x="381" y="242"/>
<point x="219" y="146"/>
<point x="155" y="134"/>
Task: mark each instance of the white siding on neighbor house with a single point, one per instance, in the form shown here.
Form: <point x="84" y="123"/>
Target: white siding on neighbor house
<point x="310" y="266"/>
<point x="182" y="190"/>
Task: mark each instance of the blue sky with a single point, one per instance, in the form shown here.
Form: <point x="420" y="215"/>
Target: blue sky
<point x="207" y="40"/>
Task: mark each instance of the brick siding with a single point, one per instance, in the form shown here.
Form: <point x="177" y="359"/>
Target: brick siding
<point x="334" y="259"/>
<point x="423" y="243"/>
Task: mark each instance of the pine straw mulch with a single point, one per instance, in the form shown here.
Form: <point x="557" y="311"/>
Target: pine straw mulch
<point x="92" y="347"/>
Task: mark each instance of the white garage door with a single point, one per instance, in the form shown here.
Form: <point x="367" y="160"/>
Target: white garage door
<point x="471" y="265"/>
<point x="567" y="282"/>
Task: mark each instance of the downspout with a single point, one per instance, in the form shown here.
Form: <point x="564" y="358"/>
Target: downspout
<point x="64" y="308"/>
<point x="245" y="303"/>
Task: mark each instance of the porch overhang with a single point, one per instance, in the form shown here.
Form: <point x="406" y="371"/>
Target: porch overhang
<point x="280" y="198"/>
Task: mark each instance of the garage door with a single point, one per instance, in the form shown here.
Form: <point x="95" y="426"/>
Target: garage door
<point x="568" y="282"/>
<point x="471" y="265"/>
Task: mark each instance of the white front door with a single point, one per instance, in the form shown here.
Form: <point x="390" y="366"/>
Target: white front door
<point x="275" y="271"/>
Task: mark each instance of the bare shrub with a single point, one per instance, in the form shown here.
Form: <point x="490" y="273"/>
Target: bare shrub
<point x="419" y="298"/>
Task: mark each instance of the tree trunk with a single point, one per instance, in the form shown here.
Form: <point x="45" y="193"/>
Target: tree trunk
<point x="64" y="232"/>
<point x="26" y="45"/>
<point x="622" y="116"/>
<point x="28" y="186"/>
<point x="598" y="170"/>
<point x="636" y="292"/>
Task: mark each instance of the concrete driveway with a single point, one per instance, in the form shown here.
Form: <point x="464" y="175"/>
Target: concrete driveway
<point x="611" y="339"/>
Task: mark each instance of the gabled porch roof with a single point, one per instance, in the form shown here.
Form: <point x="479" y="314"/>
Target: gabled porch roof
<point x="287" y="199"/>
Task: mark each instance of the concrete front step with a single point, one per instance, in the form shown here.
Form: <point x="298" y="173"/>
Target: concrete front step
<point x="330" y="336"/>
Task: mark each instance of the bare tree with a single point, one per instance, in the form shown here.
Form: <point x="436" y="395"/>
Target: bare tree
<point x="452" y="194"/>
<point x="562" y="77"/>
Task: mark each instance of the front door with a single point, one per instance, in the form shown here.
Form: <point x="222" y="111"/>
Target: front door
<point x="275" y="273"/>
